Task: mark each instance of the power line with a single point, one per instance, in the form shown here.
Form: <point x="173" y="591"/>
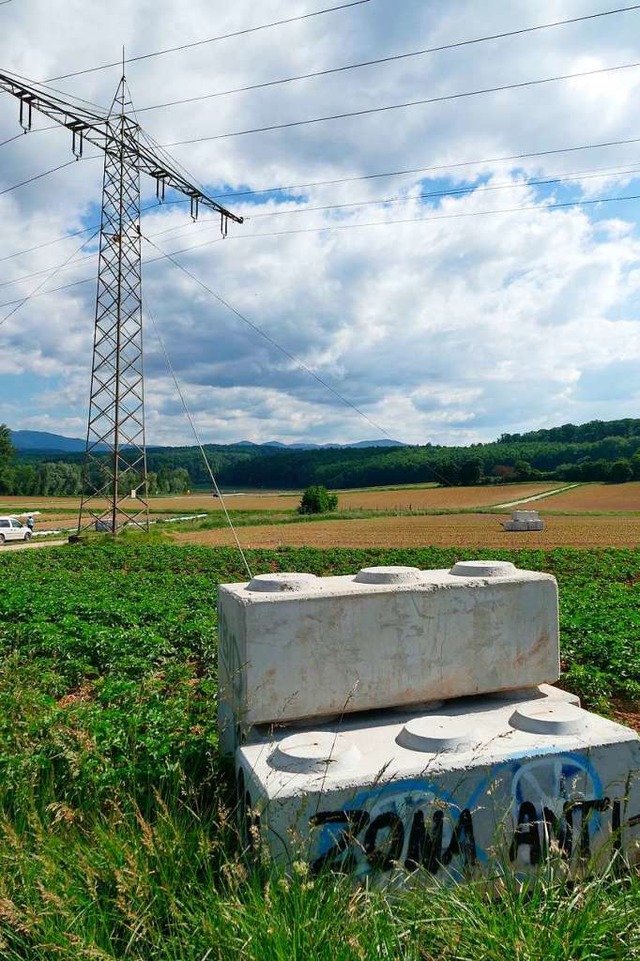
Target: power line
<point x="390" y="59"/>
<point x="454" y="191"/>
<point x="199" y="442"/>
<point x="414" y="220"/>
<point x="46" y="173"/>
<point x="450" y="192"/>
<point x="417" y="170"/>
<point x="23" y="133"/>
<point x="401" y="106"/>
<point x="258" y="330"/>
<point x="51" y="274"/>
<point x="344" y="180"/>
<point x="200" y="43"/>
<point x="78" y="233"/>
<point x="299" y="363"/>
<point x="3" y="143"/>
<point x="541" y="208"/>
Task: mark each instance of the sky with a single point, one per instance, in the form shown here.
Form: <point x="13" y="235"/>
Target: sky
<point x="446" y="305"/>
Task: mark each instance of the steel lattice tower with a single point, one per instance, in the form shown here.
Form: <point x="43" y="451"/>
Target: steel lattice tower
<point x="116" y="404"/>
<point x="115" y="460"/>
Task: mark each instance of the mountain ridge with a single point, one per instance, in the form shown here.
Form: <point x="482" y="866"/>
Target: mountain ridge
<point x="50" y="443"/>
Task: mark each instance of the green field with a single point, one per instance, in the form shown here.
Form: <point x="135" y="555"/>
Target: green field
<point x="117" y="835"/>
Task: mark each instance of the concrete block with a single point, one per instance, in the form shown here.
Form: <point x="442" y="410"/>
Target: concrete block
<point x="295" y="646"/>
<point x="524" y="515"/>
<point x="524" y="521"/>
<point x="483" y="782"/>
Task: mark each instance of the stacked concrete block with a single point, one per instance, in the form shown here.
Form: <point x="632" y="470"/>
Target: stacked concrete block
<point x="524" y="521"/>
<point x="473" y="786"/>
<point x="295" y="646"/>
<point x="402" y="720"/>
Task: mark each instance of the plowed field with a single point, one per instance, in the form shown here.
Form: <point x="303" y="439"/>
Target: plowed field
<point x="414" y="498"/>
<point x="447" y="530"/>
<point x="595" y="497"/>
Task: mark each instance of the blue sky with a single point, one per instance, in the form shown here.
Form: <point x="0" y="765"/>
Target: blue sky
<point x="448" y="319"/>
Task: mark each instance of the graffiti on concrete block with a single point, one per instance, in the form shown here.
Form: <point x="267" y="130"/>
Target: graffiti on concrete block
<point x="523" y="811"/>
<point x="406" y="824"/>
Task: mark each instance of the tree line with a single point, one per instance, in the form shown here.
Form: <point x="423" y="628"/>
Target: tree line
<point x="598" y="451"/>
<point x="36" y="475"/>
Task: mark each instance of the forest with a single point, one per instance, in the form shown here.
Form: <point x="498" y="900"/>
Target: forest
<point x="596" y="451"/>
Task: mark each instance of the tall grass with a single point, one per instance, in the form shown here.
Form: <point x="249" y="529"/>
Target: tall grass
<point x="176" y="886"/>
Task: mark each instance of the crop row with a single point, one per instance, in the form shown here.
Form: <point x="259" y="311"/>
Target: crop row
<point x="107" y="654"/>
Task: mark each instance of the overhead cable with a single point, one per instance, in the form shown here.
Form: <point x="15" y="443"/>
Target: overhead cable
<point x="23" y="133"/>
<point x="258" y="330"/>
<point x="541" y="208"/>
<point x="417" y="170"/>
<point x="344" y="180"/>
<point x="442" y="194"/>
<point x="78" y="233"/>
<point x="200" y="43"/>
<point x="454" y="192"/>
<point x="37" y="291"/>
<point x="409" y="103"/>
<point x="46" y="173"/>
<point x="217" y="490"/>
<point x="390" y="59"/>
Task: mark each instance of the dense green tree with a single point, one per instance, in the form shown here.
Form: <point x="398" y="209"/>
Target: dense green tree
<point x="620" y="472"/>
<point x="470" y="471"/>
<point x="7" y="454"/>
<point x="317" y="500"/>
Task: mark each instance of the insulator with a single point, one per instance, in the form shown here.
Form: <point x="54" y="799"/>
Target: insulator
<point x="26" y="125"/>
<point x="77" y="143"/>
<point x="195" y="204"/>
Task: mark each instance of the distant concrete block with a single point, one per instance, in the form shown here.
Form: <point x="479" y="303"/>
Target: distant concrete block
<point x="295" y="646"/>
<point x="524" y="521"/>
<point x="476" y="785"/>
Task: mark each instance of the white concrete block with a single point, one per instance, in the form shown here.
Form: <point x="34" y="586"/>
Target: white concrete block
<point x="524" y="521"/>
<point x="523" y="525"/>
<point x="524" y="515"/>
<point x="478" y="783"/>
<point x="296" y="646"/>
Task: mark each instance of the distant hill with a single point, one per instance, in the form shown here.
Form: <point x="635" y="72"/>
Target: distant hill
<point x="37" y="440"/>
<point x="44" y="441"/>
<point x="302" y="446"/>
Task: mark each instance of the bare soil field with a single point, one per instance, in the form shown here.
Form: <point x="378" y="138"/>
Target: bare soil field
<point x="418" y="498"/>
<point x="439" y="498"/>
<point x="449" y="530"/>
<point x="595" y="497"/>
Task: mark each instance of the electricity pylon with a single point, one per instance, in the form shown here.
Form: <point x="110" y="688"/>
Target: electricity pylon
<point x="115" y="465"/>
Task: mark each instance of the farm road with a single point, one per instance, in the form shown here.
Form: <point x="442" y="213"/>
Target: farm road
<point x="29" y="545"/>
<point x="537" y="497"/>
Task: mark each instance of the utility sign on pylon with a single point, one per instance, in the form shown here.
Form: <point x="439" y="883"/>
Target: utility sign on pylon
<point x="115" y="457"/>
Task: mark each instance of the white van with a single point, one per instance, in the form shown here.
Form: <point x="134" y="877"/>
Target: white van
<point x="12" y="530"/>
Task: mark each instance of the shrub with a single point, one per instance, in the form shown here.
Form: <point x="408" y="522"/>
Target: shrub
<point x="317" y="500"/>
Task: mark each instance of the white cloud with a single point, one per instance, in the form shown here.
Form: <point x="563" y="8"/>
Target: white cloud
<point x="455" y="327"/>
